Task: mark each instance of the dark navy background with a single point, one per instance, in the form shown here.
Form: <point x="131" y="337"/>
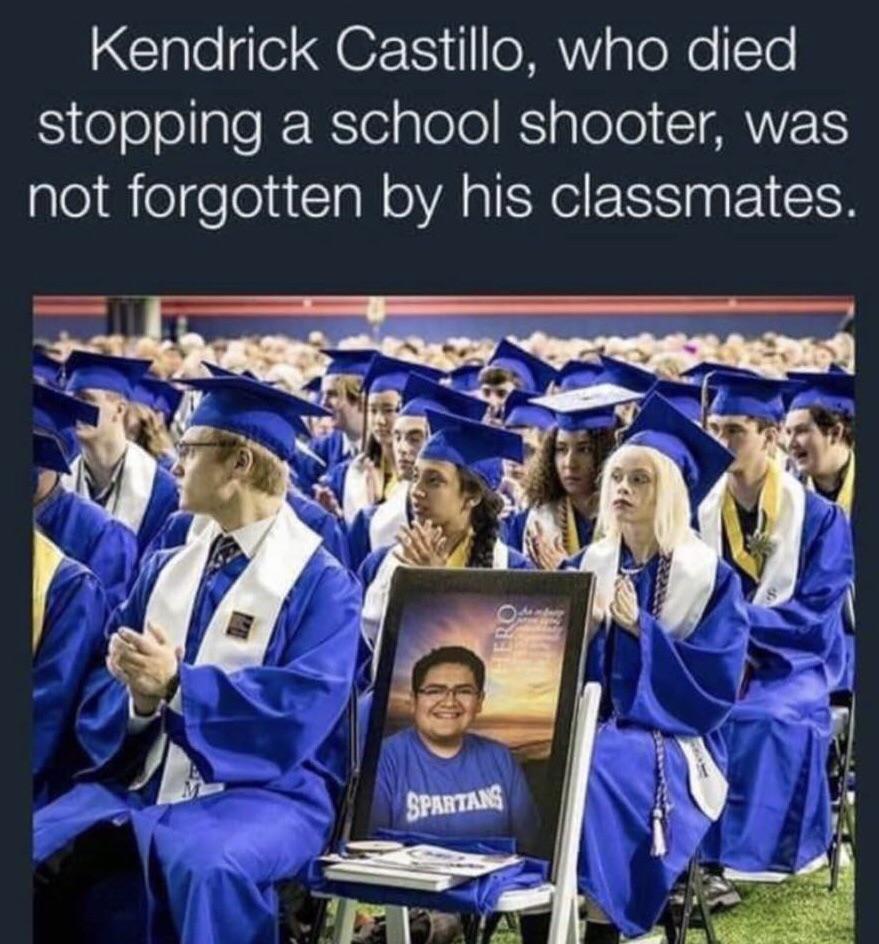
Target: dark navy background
<point x="45" y="59"/>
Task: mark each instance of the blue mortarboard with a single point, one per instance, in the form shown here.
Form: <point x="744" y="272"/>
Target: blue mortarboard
<point x="354" y="362"/>
<point x="474" y="446"/>
<point x="577" y="374"/>
<point x="756" y="397"/>
<point x="699" y="372"/>
<point x="55" y="411"/>
<point x="700" y="457"/>
<point x="833" y="391"/>
<point x="536" y="375"/>
<point x="466" y="377"/>
<point x="520" y="411"/>
<point x="45" y="369"/>
<point x="48" y="453"/>
<point x="421" y="395"/>
<point x="624" y="374"/>
<point x="252" y="409"/>
<point x="84" y="370"/>
<point x="684" y="397"/>
<point x="166" y="396"/>
<point x="313" y="386"/>
<point x="390" y="373"/>
<point x="585" y="408"/>
<point x="836" y="369"/>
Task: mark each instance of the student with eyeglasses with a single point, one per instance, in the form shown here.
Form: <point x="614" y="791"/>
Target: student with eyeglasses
<point x="438" y="778"/>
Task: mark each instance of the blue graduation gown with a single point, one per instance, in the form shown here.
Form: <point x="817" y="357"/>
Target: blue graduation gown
<point x="175" y="530"/>
<point x="778" y="815"/>
<point x="331" y="448"/>
<point x="680" y="688"/>
<point x="306" y="470"/>
<point x="87" y="533"/>
<point x="514" y="530"/>
<point x="276" y="734"/>
<point x="73" y="626"/>
<point x="359" y="540"/>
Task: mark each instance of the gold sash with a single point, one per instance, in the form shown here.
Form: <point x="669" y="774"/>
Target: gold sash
<point x="572" y="539"/>
<point x="461" y="554"/>
<point x="47" y="559"/>
<point x="767" y="517"/>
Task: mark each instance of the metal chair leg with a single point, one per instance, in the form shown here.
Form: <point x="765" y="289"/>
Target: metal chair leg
<point x="843" y="831"/>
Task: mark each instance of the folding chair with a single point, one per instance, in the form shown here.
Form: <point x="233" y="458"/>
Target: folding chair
<point x="694" y="894"/>
<point x="559" y="896"/>
<point x="841" y="760"/>
<point x="842" y="747"/>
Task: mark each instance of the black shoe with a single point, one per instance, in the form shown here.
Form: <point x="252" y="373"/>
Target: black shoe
<point x="720" y="893"/>
<point x="601" y="933"/>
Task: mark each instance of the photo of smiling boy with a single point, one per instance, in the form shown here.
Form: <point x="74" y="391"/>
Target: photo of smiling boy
<point x="435" y="777"/>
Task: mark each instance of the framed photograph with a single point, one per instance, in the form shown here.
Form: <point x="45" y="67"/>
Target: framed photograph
<point x="475" y="694"/>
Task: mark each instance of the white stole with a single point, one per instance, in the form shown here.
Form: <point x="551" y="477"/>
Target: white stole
<point x="355" y="488"/>
<point x="132" y="491"/>
<point x="375" y="600"/>
<point x="691" y="578"/>
<point x="257" y="595"/>
<point x="779" y="578"/>
<point x="389" y="517"/>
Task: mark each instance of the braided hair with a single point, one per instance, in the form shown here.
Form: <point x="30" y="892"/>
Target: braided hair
<point x="484" y="519"/>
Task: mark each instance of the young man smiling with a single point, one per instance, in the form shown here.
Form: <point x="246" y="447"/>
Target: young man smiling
<point x="793" y="553"/>
<point x="438" y="778"/>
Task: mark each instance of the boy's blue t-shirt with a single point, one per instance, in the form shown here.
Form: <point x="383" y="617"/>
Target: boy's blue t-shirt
<point x="481" y="792"/>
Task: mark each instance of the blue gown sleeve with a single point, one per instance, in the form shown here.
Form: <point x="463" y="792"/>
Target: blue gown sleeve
<point x="810" y="621"/>
<point x="358" y="536"/>
<point x="519" y="561"/>
<point x="257" y="724"/>
<point x="112" y="558"/>
<point x="513" y="530"/>
<point x="173" y="533"/>
<point x="685" y="687"/>
<point x="334" y="479"/>
<point x="323" y="523"/>
<point x="76" y="612"/>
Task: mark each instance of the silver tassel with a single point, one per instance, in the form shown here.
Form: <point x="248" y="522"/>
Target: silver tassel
<point x="659" y="846"/>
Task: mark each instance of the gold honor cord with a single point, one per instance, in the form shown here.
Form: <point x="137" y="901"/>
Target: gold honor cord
<point x="47" y="559"/>
<point x="751" y="559"/>
<point x="572" y="539"/>
<point x="461" y="554"/>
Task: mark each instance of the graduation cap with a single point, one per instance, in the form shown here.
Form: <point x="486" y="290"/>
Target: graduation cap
<point x="312" y="388"/>
<point x="253" y="409"/>
<point x="466" y="377"/>
<point x="627" y="375"/>
<point x="45" y="369"/>
<point x="535" y="375"/>
<point x="55" y="411"/>
<point x="48" y="453"/>
<point x="421" y="394"/>
<point x="833" y="391"/>
<point x="588" y="408"/>
<point x="520" y="411"/>
<point x="756" y="397"/>
<point x="474" y="446"/>
<point x="684" y="397"/>
<point x="836" y="369"/>
<point x="85" y="370"/>
<point x="355" y="362"/>
<point x="699" y="456"/>
<point x="577" y="374"/>
<point x="699" y="372"/>
<point x="391" y="373"/>
<point x="165" y="396"/>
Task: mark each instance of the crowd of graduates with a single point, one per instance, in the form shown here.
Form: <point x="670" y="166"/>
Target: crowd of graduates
<point x="216" y="528"/>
